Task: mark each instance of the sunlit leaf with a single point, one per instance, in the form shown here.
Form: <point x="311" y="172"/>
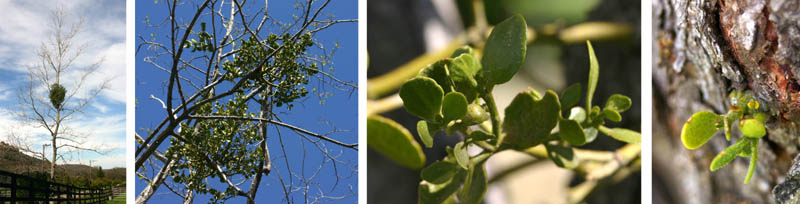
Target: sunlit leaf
<point x="394" y="141"/>
<point x="699" y="129"/>
<point x="505" y="50"/>
<point x="422" y="97"/>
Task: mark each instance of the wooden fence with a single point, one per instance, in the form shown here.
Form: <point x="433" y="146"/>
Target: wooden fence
<point x="15" y="188"/>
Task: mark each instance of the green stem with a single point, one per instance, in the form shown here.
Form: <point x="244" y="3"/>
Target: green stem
<point x="489" y="99"/>
<point x="753" y="160"/>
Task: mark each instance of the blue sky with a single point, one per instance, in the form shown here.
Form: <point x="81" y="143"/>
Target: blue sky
<point x="24" y="28"/>
<point x="338" y="110"/>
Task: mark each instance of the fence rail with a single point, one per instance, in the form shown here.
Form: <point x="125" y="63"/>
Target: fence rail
<point x="20" y="188"/>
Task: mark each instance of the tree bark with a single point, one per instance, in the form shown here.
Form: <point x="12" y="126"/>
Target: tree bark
<point x="702" y="50"/>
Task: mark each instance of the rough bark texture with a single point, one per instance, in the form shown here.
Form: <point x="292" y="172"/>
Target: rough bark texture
<point x="702" y="51"/>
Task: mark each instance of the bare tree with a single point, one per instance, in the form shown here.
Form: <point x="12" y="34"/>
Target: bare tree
<point x="223" y="60"/>
<point x="58" y="89"/>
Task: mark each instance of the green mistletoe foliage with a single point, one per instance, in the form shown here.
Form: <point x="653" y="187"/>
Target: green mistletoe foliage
<point x="699" y="128"/>
<point x="454" y="95"/>
<point x="57" y="93"/>
<point x="205" y="146"/>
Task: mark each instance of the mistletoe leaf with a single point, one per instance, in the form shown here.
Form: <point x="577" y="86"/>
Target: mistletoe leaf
<point x="528" y="121"/>
<point x="572" y="132"/>
<point x="727" y="155"/>
<point x="426" y="131"/>
<point x="440" y="172"/>
<point x="454" y="106"/>
<point x="622" y="134"/>
<point x="422" y="97"/>
<point x="699" y="129"/>
<point x="394" y="141"/>
<point x="505" y="50"/>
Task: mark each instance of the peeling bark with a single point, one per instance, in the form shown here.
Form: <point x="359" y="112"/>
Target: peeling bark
<point x="702" y="51"/>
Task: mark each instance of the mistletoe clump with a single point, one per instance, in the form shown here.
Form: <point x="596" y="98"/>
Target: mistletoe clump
<point x="57" y="93"/>
<point x="278" y="67"/>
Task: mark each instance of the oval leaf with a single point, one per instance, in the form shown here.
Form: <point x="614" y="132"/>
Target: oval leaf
<point x="462" y="157"/>
<point x="727" y="155"/>
<point x="612" y="115"/>
<point x="562" y="156"/>
<point x="618" y="102"/>
<point x="699" y="129"/>
<point x="505" y="50"/>
<point x="440" y="172"/>
<point x="577" y="114"/>
<point x="572" y="132"/>
<point x="528" y="122"/>
<point x="622" y="134"/>
<point x="752" y="128"/>
<point x="454" y="106"/>
<point x="394" y="141"/>
<point x="591" y="134"/>
<point x="426" y="132"/>
<point x="422" y="97"/>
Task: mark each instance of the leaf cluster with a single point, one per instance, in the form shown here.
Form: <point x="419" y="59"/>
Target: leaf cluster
<point x="454" y="95"/>
<point x="745" y="109"/>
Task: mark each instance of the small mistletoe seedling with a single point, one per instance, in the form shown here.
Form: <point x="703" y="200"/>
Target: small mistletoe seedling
<point x="744" y="109"/>
<point x="455" y="95"/>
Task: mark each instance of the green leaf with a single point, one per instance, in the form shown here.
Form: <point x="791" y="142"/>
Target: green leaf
<point x="570" y="96"/>
<point x="438" y="193"/>
<point x="618" y="102"/>
<point x="440" y="172"/>
<point x="475" y="186"/>
<point x="727" y="155"/>
<point x="505" y="50"/>
<point x="578" y="114"/>
<point x="480" y="135"/>
<point x="454" y="106"/>
<point x="752" y="128"/>
<point x="438" y="71"/>
<point x="594" y="73"/>
<point x="422" y="97"/>
<point x="466" y="49"/>
<point x="394" y="141"/>
<point x="591" y="134"/>
<point x="426" y="132"/>
<point x="462" y="157"/>
<point x="462" y="70"/>
<point x="572" y="132"/>
<point x="612" y="115"/>
<point x="562" y="156"/>
<point x="699" y="129"/>
<point x="528" y="122"/>
<point x="622" y="134"/>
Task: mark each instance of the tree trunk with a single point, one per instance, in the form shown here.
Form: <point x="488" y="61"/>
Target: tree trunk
<point x="702" y="50"/>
